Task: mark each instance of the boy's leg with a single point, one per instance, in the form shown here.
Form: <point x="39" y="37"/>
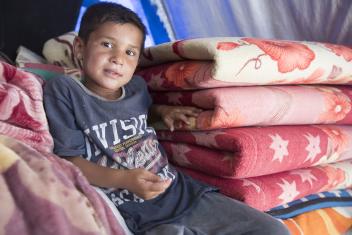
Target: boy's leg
<point x="218" y="214"/>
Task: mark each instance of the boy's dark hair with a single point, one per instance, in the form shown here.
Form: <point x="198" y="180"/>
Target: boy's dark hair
<point x="100" y="13"/>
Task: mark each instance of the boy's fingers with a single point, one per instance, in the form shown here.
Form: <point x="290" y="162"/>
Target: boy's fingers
<point x="169" y="123"/>
<point x="194" y="110"/>
<point x="152" y="178"/>
<point x="183" y="118"/>
<point x="158" y="186"/>
<point x="191" y="112"/>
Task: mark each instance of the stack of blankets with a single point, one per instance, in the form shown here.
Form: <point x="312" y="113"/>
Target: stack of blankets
<point x="275" y="129"/>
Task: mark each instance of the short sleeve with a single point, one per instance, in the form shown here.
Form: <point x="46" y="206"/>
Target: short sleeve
<point x="139" y="82"/>
<point x="68" y="138"/>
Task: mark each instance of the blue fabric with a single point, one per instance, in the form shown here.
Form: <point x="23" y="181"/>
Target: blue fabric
<point x="114" y="133"/>
<point x="157" y="29"/>
<point x="337" y="198"/>
<point x="313" y="20"/>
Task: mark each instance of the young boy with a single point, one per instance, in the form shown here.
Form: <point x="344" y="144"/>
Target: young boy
<point x="100" y="125"/>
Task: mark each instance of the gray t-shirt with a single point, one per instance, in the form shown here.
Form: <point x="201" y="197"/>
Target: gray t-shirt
<point x="115" y="134"/>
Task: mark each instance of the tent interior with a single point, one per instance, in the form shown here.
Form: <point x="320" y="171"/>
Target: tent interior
<point x="271" y="76"/>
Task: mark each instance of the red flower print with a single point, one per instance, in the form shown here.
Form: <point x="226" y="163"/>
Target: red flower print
<point x="340" y="50"/>
<point x="9" y="71"/>
<point x="339" y="138"/>
<point x="226" y="46"/>
<point x="177" y="48"/>
<point x="336" y="177"/>
<point x="178" y="73"/>
<point x="338" y="105"/>
<point x="289" y="55"/>
<point x="22" y="117"/>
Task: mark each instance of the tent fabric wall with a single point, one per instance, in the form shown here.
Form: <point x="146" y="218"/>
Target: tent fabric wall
<point x="310" y="20"/>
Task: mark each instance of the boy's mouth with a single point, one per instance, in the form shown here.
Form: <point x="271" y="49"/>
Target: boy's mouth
<point x="112" y="73"/>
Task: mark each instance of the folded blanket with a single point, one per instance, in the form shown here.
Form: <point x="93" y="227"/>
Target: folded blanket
<point x="43" y="194"/>
<point x="228" y="61"/>
<point x="268" y="191"/>
<point x="253" y="151"/>
<point x="335" y="198"/>
<point x="59" y="51"/>
<point x="327" y="221"/>
<point x="264" y="105"/>
<point x="245" y="61"/>
<point x="22" y="113"/>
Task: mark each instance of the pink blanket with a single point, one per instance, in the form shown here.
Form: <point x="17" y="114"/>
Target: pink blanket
<point x="42" y="194"/>
<point x="268" y="191"/>
<point x="22" y="113"/>
<point x="253" y="151"/>
<point x="264" y="105"/>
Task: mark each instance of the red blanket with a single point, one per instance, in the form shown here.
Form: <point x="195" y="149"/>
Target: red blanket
<point x="253" y="151"/>
<point x="22" y="113"/>
<point x="268" y="191"/>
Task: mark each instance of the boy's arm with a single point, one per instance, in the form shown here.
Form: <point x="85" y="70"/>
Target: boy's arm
<point x="173" y="116"/>
<point x="139" y="181"/>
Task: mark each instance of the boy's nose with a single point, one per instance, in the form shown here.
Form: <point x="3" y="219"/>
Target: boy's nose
<point x="116" y="59"/>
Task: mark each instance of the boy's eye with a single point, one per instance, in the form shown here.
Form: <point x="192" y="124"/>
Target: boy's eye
<point x="130" y="52"/>
<point x="107" y="44"/>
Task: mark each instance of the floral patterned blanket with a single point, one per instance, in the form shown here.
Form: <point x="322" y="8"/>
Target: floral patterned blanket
<point x="231" y="61"/>
<point x="39" y="192"/>
<point x="22" y="113"/>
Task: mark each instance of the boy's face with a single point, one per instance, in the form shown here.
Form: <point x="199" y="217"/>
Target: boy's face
<point x="110" y="57"/>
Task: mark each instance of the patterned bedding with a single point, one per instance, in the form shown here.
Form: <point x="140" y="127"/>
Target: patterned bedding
<point x="326" y="221"/>
<point x="244" y="61"/>
<point x="43" y="194"/>
<point x="254" y="151"/>
<point x="264" y="105"/>
<point x="22" y="113"/>
<point x="40" y="192"/>
<point x="268" y="191"/>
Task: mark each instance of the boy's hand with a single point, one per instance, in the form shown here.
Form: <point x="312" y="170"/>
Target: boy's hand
<point x="174" y="116"/>
<point x="144" y="183"/>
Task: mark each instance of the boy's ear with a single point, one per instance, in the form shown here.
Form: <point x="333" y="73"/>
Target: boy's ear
<point x="78" y="46"/>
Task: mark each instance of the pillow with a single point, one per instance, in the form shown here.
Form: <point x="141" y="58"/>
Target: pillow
<point x="31" y="62"/>
<point x="59" y="51"/>
<point x="49" y="71"/>
<point x="25" y="55"/>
